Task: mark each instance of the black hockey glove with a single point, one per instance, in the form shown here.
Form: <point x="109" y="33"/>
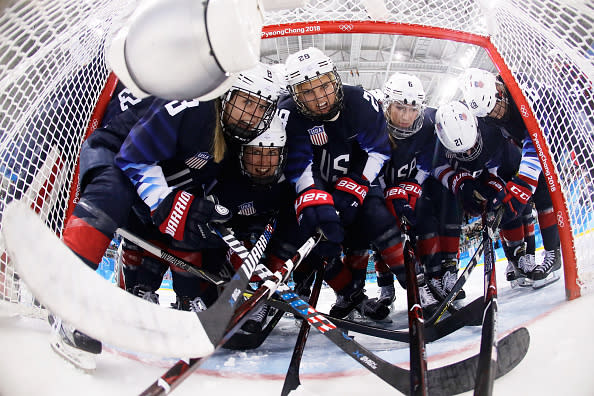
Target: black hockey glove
<point x="398" y="204"/>
<point x="315" y="210"/>
<point x="185" y="217"/>
<point x="469" y="192"/>
<point x="349" y="193"/>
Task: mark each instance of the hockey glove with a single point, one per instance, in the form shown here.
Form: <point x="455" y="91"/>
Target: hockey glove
<point x="398" y="204"/>
<point x="413" y="191"/>
<point x="348" y="195"/>
<point x="185" y="217"/>
<point x="315" y="210"/>
<point x="494" y="191"/>
<point x="514" y="198"/>
<point x="468" y="190"/>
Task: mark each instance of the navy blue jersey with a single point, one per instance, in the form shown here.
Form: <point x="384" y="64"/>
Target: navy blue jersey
<point x="320" y="152"/>
<point x="169" y="130"/>
<point x="412" y="158"/>
<point x="512" y="127"/>
<point x="497" y="152"/>
<point x="251" y="205"/>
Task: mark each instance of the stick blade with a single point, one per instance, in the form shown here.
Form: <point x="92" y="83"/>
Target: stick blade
<point x="460" y="377"/>
<point x="71" y="290"/>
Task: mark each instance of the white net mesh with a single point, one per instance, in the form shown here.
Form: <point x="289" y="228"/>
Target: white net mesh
<point x="52" y="70"/>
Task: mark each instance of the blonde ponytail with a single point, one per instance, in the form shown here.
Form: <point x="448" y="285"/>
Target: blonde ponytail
<point x="219" y="146"/>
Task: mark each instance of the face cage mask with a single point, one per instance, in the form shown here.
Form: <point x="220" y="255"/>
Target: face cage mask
<point x="475" y="151"/>
<point x="500" y="111"/>
<point x="235" y="131"/>
<point x="336" y="108"/>
<point x="403" y="133"/>
<point x="263" y="181"/>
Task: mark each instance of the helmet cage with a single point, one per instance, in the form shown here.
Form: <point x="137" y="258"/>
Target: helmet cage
<point x="262" y="158"/>
<point x="399" y="132"/>
<point x="296" y="91"/>
<point x="500" y="111"/>
<point x="238" y="128"/>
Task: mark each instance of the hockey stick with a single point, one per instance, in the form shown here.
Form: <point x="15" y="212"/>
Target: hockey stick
<point x="488" y="353"/>
<point x="453" y="378"/>
<point x="469" y="315"/>
<point x="292" y="381"/>
<point x="137" y="324"/>
<point x="446" y="303"/>
<point x="418" y="354"/>
<point x="170" y="258"/>
<point x="180" y="370"/>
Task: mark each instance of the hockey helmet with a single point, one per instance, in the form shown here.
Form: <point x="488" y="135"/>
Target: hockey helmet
<point x="457" y="129"/>
<point x="482" y="91"/>
<point x="404" y="99"/>
<point x="262" y="159"/>
<point x="249" y="106"/>
<point x="314" y="84"/>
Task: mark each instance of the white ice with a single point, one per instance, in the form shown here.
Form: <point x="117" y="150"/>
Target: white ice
<point x="559" y="361"/>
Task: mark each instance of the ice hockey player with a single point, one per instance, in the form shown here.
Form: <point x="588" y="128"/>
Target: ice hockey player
<point x="476" y="159"/>
<point x="252" y="186"/>
<point x="336" y="148"/>
<point x="490" y="100"/>
<point x="411" y="124"/>
<point x="115" y="175"/>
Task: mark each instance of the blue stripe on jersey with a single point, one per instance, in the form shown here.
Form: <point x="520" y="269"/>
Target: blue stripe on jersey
<point x="530" y="167"/>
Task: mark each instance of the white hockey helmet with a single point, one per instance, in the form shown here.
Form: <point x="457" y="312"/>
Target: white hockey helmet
<point x="304" y="69"/>
<point x="404" y="90"/>
<point x="263" y="85"/>
<point x="186" y="49"/>
<point x="262" y="160"/>
<point x="479" y="88"/>
<point x="457" y="129"/>
<point x="378" y="95"/>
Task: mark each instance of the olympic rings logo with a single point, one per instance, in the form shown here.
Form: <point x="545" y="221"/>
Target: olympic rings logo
<point x="346" y="28"/>
<point x="524" y="111"/>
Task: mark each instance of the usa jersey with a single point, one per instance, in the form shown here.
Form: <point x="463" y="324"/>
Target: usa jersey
<point x="498" y="152"/>
<point x="412" y="158"/>
<point x="320" y="152"/>
<point x="512" y="126"/>
<point x="251" y="205"/>
<point x="169" y="130"/>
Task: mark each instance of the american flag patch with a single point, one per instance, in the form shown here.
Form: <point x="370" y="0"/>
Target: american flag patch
<point x="198" y="160"/>
<point x="318" y="135"/>
<point x="247" y="209"/>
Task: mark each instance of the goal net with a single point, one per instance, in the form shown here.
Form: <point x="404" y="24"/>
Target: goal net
<point x="54" y="85"/>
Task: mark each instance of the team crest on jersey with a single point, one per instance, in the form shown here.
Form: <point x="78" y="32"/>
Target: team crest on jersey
<point x="198" y="160"/>
<point x="318" y="135"/>
<point x="247" y="209"/>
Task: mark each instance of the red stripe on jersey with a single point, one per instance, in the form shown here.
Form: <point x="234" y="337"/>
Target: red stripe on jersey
<point x="428" y="247"/>
<point x="393" y="256"/>
<point x="547" y="219"/>
<point x="515" y="234"/>
<point x="449" y="244"/>
<point x="85" y="240"/>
